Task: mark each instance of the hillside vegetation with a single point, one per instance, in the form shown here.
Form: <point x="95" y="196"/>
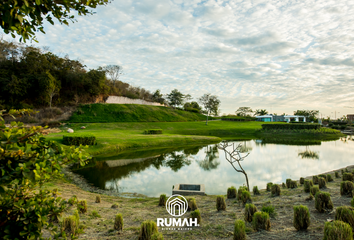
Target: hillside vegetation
<point x="131" y="113"/>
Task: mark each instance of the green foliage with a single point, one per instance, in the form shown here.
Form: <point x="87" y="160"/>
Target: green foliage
<point x="321" y="182"/>
<point x="98" y="199"/>
<point x="250" y="210"/>
<point x="79" y="139"/>
<point x="153" y="131"/>
<point x="118" y="222"/>
<point x="231" y="192"/>
<point x="239" y="192"/>
<point x="269" y="186"/>
<point x="323" y="176"/>
<point x="309" y="126"/>
<point x="270" y="209"/>
<point x="347" y="176"/>
<point x="238" y="118"/>
<point x="309" y="114"/>
<point x="71" y="224"/>
<point x="240" y="230"/>
<point x="261" y="221"/>
<point x="329" y="178"/>
<point x="337" y="230"/>
<point x="293" y="184"/>
<point x="175" y="98"/>
<point x="345" y="214"/>
<point x="147" y="229"/>
<point x="210" y="103"/>
<point x="256" y="191"/>
<point x="336" y="174"/>
<point x="323" y="202"/>
<point x="82" y="206"/>
<point x="315" y="179"/>
<point x="302" y="180"/>
<point x="94" y="214"/>
<point x="307" y="185"/>
<point x="192" y="204"/>
<point x="244" y="111"/>
<point x="275" y="190"/>
<point x="163" y="199"/>
<point x="347" y="188"/>
<point x="314" y="190"/>
<point x="27" y="161"/>
<point x="196" y="214"/>
<point x="301" y="217"/>
<point x="220" y="203"/>
<point x="157" y="236"/>
<point x="246" y="197"/>
<point x="72" y="200"/>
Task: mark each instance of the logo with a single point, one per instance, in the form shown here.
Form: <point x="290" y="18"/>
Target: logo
<point x="176" y="205"/>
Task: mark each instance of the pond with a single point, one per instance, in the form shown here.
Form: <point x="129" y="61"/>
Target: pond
<point x="154" y="172"/>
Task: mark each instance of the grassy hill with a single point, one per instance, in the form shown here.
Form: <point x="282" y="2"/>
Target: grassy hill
<point x="131" y="113"/>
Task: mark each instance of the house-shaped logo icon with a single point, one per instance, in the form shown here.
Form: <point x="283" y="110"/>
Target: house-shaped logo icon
<point x="176" y="205"/>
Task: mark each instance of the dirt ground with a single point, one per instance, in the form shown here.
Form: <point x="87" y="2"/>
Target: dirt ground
<point x="214" y="225"/>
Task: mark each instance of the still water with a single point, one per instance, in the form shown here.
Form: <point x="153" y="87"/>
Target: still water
<point x="154" y="172"/>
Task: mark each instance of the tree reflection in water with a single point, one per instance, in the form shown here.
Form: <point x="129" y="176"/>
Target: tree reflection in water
<point x="309" y="154"/>
<point x="211" y="158"/>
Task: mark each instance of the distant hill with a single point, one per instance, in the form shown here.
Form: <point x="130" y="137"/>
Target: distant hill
<point x="132" y="113"/>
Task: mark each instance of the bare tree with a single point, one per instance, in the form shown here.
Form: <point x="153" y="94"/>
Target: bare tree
<point x="113" y="72"/>
<point x="234" y="157"/>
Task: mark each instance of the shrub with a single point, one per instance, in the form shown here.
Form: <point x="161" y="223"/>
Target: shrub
<point x="196" y="214"/>
<point x="345" y="214"/>
<point x="270" y="209"/>
<point x="78" y="139"/>
<point x="118" y="222"/>
<point x="147" y="229"/>
<point x="293" y="184"/>
<point x="275" y="190"/>
<point x="323" y="202"/>
<point x="115" y="205"/>
<point x="239" y="230"/>
<point x="302" y="180"/>
<point x="231" y="192"/>
<point x="315" y="179"/>
<point x="288" y="182"/>
<point x="163" y="199"/>
<point x="347" y="177"/>
<point x="250" y="209"/>
<point x="71" y="224"/>
<point x="192" y="204"/>
<point x="256" y="191"/>
<point x="314" y="190"/>
<point x="269" y="186"/>
<point x="295" y="126"/>
<point x="337" y="230"/>
<point x="157" y="236"/>
<point x="346" y="188"/>
<point x="283" y="185"/>
<point x="310" y="197"/>
<point x="153" y="131"/>
<point x="307" y="185"/>
<point x="323" y="176"/>
<point x="321" y="182"/>
<point x="98" y="199"/>
<point x="336" y="174"/>
<point x="246" y="197"/>
<point x="301" y="217"/>
<point x="220" y="203"/>
<point x="239" y="192"/>
<point x="72" y="200"/>
<point x="261" y="221"/>
<point x="329" y="178"/>
<point x="82" y="206"/>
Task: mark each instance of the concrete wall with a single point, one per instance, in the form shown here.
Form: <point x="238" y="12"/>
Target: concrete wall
<point x="125" y="100"/>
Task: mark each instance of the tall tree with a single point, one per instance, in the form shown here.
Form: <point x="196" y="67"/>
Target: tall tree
<point x="260" y="112"/>
<point x="113" y="72"/>
<point x="244" y="111"/>
<point x="158" y="97"/>
<point x="311" y="115"/>
<point x="175" y="98"/>
<point x="210" y="103"/>
<point x="25" y="17"/>
<point x="52" y="88"/>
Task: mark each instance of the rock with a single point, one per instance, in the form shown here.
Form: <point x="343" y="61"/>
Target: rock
<point x="70" y="130"/>
<point x="83" y="127"/>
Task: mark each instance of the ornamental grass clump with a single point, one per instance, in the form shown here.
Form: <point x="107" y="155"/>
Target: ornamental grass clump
<point x="301" y="217"/>
<point x="240" y="230"/>
<point x="261" y="221"/>
<point x="163" y="199"/>
<point x="231" y="192"/>
<point x="323" y="176"/>
<point x="276" y="190"/>
<point x="82" y="206"/>
<point x="269" y="186"/>
<point x="192" y="204"/>
<point x="293" y="184"/>
<point x="147" y="229"/>
<point x="157" y="236"/>
<point x="98" y="199"/>
<point x="118" y="222"/>
<point x="346" y="188"/>
<point x="239" y="192"/>
<point x="314" y="190"/>
<point x="256" y="191"/>
<point x="302" y="180"/>
<point x="323" y="202"/>
<point x="283" y="185"/>
<point x="196" y="214"/>
<point x="307" y="185"/>
<point x="337" y="230"/>
<point x="329" y="178"/>
<point x="72" y="200"/>
<point x="220" y="203"/>
<point x="336" y="174"/>
<point x="345" y="214"/>
<point x="288" y="182"/>
<point x="270" y="209"/>
<point x="246" y="197"/>
<point x="321" y="182"/>
<point x="71" y="224"/>
<point x="347" y="176"/>
<point x="250" y="210"/>
<point x="315" y="179"/>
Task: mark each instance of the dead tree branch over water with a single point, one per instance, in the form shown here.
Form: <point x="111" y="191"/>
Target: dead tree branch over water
<point x="234" y="156"/>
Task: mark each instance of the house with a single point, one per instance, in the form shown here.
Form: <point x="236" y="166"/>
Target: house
<point x="350" y="117"/>
<point x="281" y="118"/>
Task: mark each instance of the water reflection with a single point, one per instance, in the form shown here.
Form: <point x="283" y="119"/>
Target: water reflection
<point x="309" y="154"/>
<point x="155" y="171"/>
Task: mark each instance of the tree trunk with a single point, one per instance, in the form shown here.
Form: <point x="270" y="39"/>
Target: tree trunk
<point x="207" y="119"/>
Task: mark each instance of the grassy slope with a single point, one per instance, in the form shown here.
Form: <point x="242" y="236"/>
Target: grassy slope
<point x="131" y="113"/>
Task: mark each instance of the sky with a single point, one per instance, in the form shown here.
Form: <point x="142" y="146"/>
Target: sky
<point x="279" y="55"/>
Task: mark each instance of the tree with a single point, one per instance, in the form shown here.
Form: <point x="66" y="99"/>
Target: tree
<point x="175" y="98"/>
<point x="260" y="112"/>
<point x="244" y="111"/>
<point x="210" y="103"/>
<point x="158" y="97"/>
<point x="25" y="17"/>
<point x="52" y="88"/>
<point x="192" y="106"/>
<point x="113" y="72"/>
<point x="311" y="115"/>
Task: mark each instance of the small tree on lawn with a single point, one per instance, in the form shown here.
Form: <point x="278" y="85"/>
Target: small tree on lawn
<point x="210" y="103"/>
